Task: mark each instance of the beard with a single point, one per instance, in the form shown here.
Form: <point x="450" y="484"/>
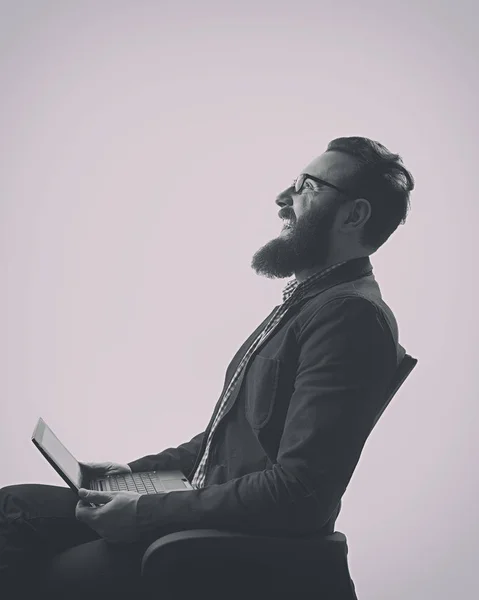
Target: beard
<point x="304" y="246"/>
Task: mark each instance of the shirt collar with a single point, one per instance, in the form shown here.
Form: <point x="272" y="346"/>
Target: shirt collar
<point x="298" y="289"/>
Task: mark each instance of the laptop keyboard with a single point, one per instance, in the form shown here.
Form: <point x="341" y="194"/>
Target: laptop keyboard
<point x="133" y="482"/>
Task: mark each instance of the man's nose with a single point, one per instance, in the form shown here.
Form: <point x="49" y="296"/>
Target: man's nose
<point x="285" y="198"/>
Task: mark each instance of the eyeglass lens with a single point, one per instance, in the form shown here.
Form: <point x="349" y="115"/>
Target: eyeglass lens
<point x="298" y="184"/>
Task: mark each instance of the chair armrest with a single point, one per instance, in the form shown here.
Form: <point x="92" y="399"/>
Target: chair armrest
<point x="234" y="565"/>
<point x="184" y="546"/>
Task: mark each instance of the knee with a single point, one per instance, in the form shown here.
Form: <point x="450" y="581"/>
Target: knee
<point x="18" y="489"/>
<point x="7" y="491"/>
<point x="15" y="495"/>
<point x="6" y="494"/>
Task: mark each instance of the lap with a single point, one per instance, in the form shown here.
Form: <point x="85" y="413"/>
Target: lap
<point x="41" y="499"/>
<point x="47" y="546"/>
<point x="44" y="515"/>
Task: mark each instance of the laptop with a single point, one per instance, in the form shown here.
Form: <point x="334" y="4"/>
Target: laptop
<point x="76" y="476"/>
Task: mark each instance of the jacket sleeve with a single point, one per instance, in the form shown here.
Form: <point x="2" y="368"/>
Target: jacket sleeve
<point x="347" y="359"/>
<point x="183" y="458"/>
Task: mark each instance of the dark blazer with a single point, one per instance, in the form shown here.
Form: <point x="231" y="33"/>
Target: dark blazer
<point x="295" y="426"/>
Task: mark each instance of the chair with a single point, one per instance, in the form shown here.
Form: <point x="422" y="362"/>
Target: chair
<point x="212" y="564"/>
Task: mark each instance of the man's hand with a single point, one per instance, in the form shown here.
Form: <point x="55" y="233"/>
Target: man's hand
<point x="104" y="469"/>
<point x="115" y="521"/>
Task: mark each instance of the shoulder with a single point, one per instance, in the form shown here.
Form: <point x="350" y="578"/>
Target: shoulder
<point x="356" y="305"/>
<point x="348" y="310"/>
<point x="348" y="323"/>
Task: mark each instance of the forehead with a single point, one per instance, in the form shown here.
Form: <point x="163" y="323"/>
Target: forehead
<point x="335" y="167"/>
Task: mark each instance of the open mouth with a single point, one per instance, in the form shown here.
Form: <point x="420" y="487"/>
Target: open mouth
<point x="288" y="223"/>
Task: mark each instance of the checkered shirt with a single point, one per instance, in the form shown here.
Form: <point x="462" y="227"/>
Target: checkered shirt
<point x="292" y="293"/>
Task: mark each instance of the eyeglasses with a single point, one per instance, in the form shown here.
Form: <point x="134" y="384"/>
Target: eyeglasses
<point x="300" y="181"/>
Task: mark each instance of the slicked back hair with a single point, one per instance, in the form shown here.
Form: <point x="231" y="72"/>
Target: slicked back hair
<point x="382" y="179"/>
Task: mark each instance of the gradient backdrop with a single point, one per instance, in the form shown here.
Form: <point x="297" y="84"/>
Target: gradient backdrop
<point x="142" y="147"/>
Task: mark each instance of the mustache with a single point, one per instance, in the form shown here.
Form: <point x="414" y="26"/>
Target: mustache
<point x="286" y="214"/>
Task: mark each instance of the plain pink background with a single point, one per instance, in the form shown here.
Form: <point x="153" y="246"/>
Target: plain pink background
<point x="142" y="147"/>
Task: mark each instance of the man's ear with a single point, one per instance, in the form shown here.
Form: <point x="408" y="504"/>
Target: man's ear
<point x="359" y="213"/>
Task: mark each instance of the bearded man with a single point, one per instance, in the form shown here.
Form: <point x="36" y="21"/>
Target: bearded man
<point x="300" y="398"/>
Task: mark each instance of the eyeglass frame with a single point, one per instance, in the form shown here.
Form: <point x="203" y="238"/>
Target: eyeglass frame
<point x="321" y="181"/>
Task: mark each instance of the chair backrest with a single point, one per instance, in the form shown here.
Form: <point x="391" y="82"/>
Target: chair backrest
<point x="404" y="369"/>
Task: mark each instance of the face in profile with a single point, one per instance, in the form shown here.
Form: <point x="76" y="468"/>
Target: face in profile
<point x="310" y="208"/>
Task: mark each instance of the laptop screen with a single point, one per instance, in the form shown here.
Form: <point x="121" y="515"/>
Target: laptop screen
<point x="60" y="455"/>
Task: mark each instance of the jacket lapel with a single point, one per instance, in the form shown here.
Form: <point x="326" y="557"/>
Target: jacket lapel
<point x="349" y="271"/>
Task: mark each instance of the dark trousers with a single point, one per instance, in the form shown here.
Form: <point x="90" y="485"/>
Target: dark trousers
<point x="46" y="551"/>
